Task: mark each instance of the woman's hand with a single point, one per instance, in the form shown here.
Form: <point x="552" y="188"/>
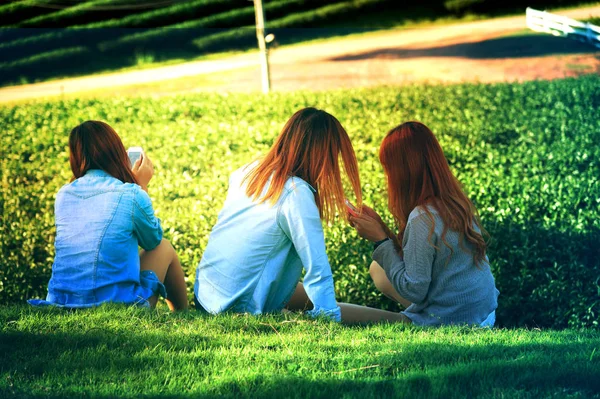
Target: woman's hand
<point x="143" y="170"/>
<point x="370" y="212"/>
<point x="368" y="227"/>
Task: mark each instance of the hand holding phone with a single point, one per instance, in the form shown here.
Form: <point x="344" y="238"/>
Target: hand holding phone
<point x="351" y="208"/>
<point x="134" y="153"/>
<point x="144" y="170"/>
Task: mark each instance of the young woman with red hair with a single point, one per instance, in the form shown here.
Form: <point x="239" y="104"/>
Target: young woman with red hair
<point x="102" y="216"/>
<point x="436" y="266"/>
<point x="270" y="227"/>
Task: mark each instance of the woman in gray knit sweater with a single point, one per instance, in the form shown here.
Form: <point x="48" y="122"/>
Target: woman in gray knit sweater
<point x="436" y="267"/>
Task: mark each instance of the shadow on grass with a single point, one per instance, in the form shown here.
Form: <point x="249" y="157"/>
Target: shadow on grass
<point x="545" y="277"/>
<point x="537" y="45"/>
<point x="85" y="365"/>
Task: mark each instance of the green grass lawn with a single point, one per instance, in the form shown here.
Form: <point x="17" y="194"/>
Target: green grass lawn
<point x="129" y="352"/>
<point x="526" y="154"/>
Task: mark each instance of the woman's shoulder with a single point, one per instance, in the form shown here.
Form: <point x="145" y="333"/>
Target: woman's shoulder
<point x="238" y="175"/>
<point x="294" y="183"/>
<point x="422" y="211"/>
<point x="85" y="187"/>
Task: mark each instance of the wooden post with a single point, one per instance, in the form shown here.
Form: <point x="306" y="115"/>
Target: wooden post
<point x="262" y="46"/>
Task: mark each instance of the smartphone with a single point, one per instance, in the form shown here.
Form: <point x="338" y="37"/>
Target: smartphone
<point x="134" y="153"/>
<point x="351" y="207"/>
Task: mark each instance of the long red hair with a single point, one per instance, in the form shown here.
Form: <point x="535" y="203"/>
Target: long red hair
<point x="308" y="147"/>
<point x="96" y="145"/>
<point x="418" y="174"/>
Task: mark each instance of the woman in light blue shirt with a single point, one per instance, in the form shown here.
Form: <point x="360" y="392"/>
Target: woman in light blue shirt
<point x="270" y="226"/>
<point x="101" y="218"/>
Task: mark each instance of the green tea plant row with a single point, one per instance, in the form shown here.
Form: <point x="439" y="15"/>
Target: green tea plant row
<point x="34" y="56"/>
<point x="243" y="37"/>
<point x="20" y="10"/>
<point x="179" y="16"/>
<point x="177" y="13"/>
<point x="88" y="15"/>
<point x="527" y="155"/>
<point x="230" y="19"/>
<point x="25" y="46"/>
<point x="81" y="13"/>
<point x="60" y="14"/>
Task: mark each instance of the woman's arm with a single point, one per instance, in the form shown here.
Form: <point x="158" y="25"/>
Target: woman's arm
<point x="388" y="232"/>
<point x="300" y="220"/>
<point x="393" y="237"/>
<point x="410" y="275"/>
<point x="146" y="226"/>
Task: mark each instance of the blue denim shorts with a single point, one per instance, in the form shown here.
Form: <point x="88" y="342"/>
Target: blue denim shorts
<point x="149" y="279"/>
<point x="149" y="286"/>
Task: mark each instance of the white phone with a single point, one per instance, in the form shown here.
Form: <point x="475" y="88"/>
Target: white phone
<point x="134" y="153"/>
<point x="351" y="207"/>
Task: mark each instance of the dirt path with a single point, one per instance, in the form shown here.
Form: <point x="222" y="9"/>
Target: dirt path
<point x="476" y="51"/>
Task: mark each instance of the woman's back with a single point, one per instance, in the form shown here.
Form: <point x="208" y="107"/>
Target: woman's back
<point x="458" y="291"/>
<point x="99" y="223"/>
<point x="241" y="268"/>
<point x="270" y="226"/>
<point x="101" y="217"/>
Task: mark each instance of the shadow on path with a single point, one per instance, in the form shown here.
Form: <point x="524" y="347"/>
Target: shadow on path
<point x="522" y="46"/>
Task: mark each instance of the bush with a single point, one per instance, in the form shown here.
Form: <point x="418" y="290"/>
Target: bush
<point x="459" y="6"/>
<point x="124" y="13"/>
<point x="177" y="13"/>
<point x="86" y="12"/>
<point x="111" y="47"/>
<point x="237" y="22"/>
<point x="526" y="154"/>
<point x="17" y="11"/>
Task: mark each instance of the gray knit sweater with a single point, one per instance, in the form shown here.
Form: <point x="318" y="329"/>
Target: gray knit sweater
<point x="456" y="292"/>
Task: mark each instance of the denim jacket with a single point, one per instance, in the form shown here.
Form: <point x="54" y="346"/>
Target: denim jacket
<point x="100" y="221"/>
<point x="256" y="252"/>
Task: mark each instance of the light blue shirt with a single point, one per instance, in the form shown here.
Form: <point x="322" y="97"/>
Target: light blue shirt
<point x="99" y="223"/>
<point x="256" y="252"/>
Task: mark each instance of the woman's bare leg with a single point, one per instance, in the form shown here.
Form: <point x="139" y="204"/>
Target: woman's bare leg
<point x="351" y="314"/>
<point x="299" y="300"/>
<point x="356" y="314"/>
<point x="163" y="261"/>
<point x="384" y="285"/>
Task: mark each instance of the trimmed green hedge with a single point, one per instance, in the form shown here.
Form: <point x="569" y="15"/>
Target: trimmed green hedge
<point x="109" y="46"/>
<point x="237" y="20"/>
<point x="17" y="11"/>
<point x="527" y="155"/>
<point x="175" y="14"/>
<point x="244" y="37"/>
<point x="82" y="13"/>
<point x="89" y="15"/>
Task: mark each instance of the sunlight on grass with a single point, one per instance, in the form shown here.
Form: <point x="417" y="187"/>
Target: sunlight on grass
<point x="114" y="350"/>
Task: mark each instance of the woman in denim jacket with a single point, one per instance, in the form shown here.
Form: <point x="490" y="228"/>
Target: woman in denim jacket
<point x="270" y="227"/>
<point x="101" y="218"/>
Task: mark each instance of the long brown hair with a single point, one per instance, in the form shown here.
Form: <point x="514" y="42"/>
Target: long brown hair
<point x="308" y="147"/>
<point x="95" y="145"/>
<point x="418" y="174"/>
